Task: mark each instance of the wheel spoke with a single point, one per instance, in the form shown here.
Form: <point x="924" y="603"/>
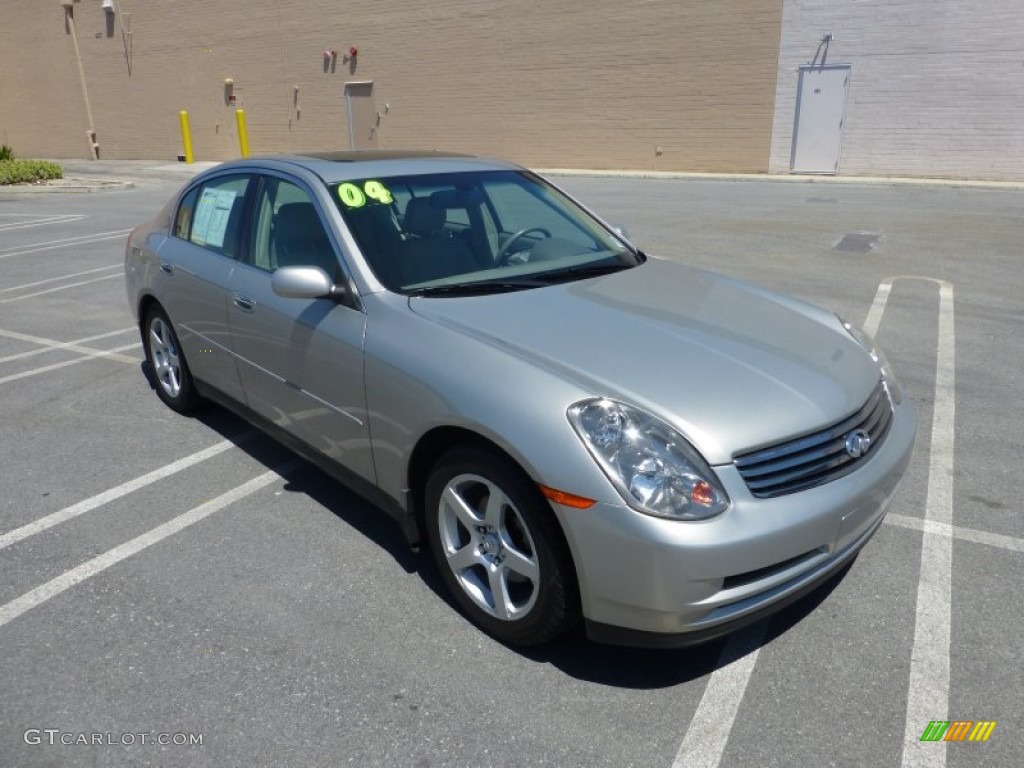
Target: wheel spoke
<point x="174" y="371"/>
<point x="155" y="342"/>
<point x="465" y="513"/>
<point x="464" y="558"/>
<point x="496" y="502"/>
<point x="517" y="562"/>
<point x="499" y="593"/>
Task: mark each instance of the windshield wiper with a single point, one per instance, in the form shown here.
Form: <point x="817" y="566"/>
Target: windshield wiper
<point x="476" y="287"/>
<point x="582" y="271"/>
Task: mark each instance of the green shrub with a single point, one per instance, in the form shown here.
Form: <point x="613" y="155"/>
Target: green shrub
<point x="21" y="171"/>
<point x="6" y="153"/>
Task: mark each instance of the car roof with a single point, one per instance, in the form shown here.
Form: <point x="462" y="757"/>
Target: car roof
<point x="335" y="166"/>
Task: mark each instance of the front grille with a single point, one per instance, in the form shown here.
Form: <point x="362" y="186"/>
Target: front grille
<point x="817" y="458"/>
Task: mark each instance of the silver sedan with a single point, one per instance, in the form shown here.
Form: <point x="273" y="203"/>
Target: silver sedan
<point x="577" y="430"/>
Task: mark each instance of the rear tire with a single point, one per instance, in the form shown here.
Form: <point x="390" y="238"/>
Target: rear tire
<point x="499" y="549"/>
<point x="171" y="375"/>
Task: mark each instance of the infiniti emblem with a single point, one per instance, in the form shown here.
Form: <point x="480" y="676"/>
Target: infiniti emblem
<point x="857" y="443"/>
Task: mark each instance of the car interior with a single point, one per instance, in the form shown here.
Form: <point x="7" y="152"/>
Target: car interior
<point x="432" y="231"/>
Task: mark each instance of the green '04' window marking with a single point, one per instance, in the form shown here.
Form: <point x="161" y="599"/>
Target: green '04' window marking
<point x="353" y="197"/>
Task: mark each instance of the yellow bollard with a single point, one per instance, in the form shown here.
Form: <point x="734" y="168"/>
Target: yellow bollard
<point x="243" y="135"/>
<point x="186" y="136"/>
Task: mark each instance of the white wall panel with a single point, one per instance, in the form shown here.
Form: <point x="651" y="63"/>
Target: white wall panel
<point x="937" y="86"/>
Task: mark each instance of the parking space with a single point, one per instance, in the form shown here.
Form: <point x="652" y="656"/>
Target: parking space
<point x="171" y="575"/>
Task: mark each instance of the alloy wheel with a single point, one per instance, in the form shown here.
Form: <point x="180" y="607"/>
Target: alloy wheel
<point x="165" y="356"/>
<point x="488" y="547"/>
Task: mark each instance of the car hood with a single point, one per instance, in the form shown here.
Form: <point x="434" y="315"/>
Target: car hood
<point x="731" y="366"/>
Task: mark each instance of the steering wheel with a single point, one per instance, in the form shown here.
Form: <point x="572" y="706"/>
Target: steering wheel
<point x="506" y="250"/>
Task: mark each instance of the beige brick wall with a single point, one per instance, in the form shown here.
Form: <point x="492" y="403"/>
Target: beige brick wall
<point x="937" y="88"/>
<point x="549" y="83"/>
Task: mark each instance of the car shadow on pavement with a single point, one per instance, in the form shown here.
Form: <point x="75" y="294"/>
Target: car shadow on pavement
<point x="573" y="654"/>
<point x="372" y="522"/>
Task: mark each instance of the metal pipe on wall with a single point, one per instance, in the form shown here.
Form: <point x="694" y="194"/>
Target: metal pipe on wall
<point x="94" y="147"/>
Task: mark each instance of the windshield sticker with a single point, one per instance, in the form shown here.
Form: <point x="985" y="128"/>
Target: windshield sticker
<point x="353" y="197"/>
<point x="212" y="213"/>
<point x="378" y="192"/>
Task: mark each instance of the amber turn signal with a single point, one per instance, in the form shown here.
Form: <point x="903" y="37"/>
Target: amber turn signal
<point x="568" y="499"/>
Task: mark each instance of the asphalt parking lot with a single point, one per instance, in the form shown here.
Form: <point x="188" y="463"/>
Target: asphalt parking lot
<point x="162" y="576"/>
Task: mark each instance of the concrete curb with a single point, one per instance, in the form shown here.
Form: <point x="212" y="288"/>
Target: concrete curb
<point x="68" y="186"/>
<point x="84" y="177"/>
<point x="893" y="181"/>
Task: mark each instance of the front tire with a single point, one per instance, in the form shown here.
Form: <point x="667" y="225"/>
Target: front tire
<point x="498" y="548"/>
<point x="172" y="378"/>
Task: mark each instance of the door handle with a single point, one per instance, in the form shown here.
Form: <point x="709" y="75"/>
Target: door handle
<point x="167" y="268"/>
<point x="244" y="303"/>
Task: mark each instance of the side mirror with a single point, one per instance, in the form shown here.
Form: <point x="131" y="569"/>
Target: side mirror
<point x="303" y="283"/>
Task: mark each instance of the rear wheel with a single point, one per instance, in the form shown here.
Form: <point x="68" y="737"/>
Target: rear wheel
<point x="499" y="549"/>
<point x="167" y="362"/>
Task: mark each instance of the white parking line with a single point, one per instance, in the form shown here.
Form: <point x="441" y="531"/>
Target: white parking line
<point x="58" y="241"/>
<point x="71" y="346"/>
<point x="49" y="345"/>
<point x="874" y="318"/>
<point x="99" y="237"/>
<point x="109" y="354"/>
<point x="999" y="540"/>
<point x="100" y="563"/>
<point x="60" y="288"/>
<point x="62" y="277"/>
<point x="928" y="692"/>
<point x="709" y="729"/>
<point x="41" y="222"/>
<point x="86" y="505"/>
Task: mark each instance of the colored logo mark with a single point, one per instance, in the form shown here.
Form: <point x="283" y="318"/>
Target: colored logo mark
<point x="958" y="730"/>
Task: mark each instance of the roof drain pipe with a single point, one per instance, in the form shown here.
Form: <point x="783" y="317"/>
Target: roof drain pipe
<point x="69" y="19"/>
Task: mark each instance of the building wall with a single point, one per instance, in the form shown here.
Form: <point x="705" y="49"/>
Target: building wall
<point x="937" y="88"/>
<point x="550" y="83"/>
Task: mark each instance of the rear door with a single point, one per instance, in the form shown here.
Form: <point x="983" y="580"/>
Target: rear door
<point x="300" y="360"/>
<point x="196" y="264"/>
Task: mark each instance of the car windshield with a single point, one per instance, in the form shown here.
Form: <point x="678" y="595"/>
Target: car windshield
<point x="475" y="232"/>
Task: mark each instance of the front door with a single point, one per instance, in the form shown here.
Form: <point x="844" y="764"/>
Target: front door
<point x="362" y="116"/>
<point x="820" y="113"/>
<point x="300" y="360"/>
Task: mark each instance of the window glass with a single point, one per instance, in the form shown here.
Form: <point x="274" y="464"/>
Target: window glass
<point x="183" y="219"/>
<point x="468" y="227"/>
<point x="288" y="231"/>
<point x="216" y="220"/>
<point x="457" y="216"/>
<point x="519" y="207"/>
<point x="400" y="196"/>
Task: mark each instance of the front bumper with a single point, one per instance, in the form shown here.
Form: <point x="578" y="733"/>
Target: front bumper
<point x="653" y="582"/>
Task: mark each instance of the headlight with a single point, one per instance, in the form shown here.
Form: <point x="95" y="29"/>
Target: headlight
<point x="650" y="464"/>
<point x="888" y="377"/>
